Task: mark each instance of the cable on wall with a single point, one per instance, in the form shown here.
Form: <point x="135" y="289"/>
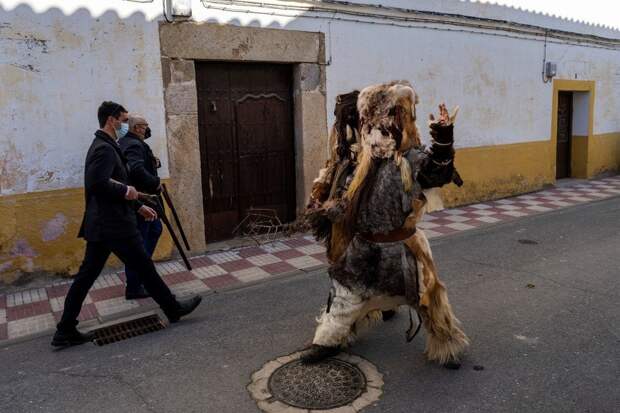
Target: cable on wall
<point x="422" y="19"/>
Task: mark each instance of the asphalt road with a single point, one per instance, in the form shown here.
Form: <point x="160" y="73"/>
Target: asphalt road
<point x="543" y="318"/>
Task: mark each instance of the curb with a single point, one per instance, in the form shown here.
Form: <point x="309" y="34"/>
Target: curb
<point x="145" y="310"/>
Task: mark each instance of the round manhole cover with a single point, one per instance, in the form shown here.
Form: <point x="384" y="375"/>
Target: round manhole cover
<point x="331" y="383"/>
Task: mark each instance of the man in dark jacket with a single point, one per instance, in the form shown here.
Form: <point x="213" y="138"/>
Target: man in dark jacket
<point x="143" y="176"/>
<point x="109" y="226"/>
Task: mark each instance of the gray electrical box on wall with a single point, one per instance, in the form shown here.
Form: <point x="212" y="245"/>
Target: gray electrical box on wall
<point x="550" y="70"/>
<point x="178" y="8"/>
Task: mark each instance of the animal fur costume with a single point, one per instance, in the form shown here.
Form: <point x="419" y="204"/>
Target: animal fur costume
<point x="365" y="205"/>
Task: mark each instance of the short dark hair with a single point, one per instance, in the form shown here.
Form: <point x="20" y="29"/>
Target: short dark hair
<point x="109" y="108"/>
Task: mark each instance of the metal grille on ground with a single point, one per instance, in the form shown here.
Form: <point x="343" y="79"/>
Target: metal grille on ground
<point x="127" y="329"/>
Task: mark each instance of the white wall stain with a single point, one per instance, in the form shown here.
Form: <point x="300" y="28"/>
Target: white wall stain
<point x="22" y="248"/>
<point x="5" y="266"/>
<point x="54" y="228"/>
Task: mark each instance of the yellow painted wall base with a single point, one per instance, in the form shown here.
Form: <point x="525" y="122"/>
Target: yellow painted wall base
<point x="604" y="154"/>
<point x="38" y="231"/>
<point x="579" y="157"/>
<point x="492" y="172"/>
<point x="598" y="156"/>
<point x="38" y="234"/>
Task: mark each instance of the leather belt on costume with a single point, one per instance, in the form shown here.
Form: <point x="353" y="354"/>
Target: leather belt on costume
<point x="396" y="235"/>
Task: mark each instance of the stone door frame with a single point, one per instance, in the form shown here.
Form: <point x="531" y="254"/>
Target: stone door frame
<point x="181" y="45"/>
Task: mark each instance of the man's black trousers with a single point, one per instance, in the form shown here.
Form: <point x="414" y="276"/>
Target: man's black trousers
<point x="132" y="253"/>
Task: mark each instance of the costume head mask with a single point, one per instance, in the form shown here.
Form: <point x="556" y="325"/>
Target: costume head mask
<point x="387" y="118"/>
<point x="387" y="130"/>
<point x="345" y="130"/>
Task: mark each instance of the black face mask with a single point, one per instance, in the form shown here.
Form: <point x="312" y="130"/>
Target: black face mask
<point x="147" y="133"/>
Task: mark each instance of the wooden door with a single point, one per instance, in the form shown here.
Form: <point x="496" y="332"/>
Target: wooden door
<point x="565" y="121"/>
<point x="247" y="149"/>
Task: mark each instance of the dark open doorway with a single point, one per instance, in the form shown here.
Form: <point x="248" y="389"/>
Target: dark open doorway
<point x="565" y="121"/>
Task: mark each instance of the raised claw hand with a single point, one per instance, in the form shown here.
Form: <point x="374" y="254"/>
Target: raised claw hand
<point x="445" y="118"/>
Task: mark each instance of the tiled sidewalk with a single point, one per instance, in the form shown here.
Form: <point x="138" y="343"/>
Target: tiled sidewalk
<point x="33" y="311"/>
<point x="472" y="216"/>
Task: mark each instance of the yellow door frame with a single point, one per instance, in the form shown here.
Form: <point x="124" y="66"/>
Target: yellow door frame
<point x="561" y="85"/>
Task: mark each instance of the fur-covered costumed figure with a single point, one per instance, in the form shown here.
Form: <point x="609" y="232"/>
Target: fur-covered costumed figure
<point x="365" y="205"/>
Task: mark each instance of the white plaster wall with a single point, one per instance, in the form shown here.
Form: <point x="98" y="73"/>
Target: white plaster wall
<point x="60" y="58"/>
<point x="581" y="113"/>
<point x="604" y="67"/>
<point x="496" y="79"/>
<point x="58" y="61"/>
<point x="599" y="15"/>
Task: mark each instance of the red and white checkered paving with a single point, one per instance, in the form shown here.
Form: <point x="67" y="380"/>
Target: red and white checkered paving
<point x="33" y="311"/>
<point x="473" y="216"/>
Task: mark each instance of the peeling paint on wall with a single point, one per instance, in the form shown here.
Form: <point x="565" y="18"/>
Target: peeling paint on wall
<point x="39" y="234"/>
<point x="5" y="266"/>
<point x="22" y="248"/>
<point x="54" y="228"/>
<point x="21" y="49"/>
<point x="11" y="162"/>
<point x="55" y="70"/>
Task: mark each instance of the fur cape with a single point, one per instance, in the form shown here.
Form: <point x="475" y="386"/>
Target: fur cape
<point x="386" y="128"/>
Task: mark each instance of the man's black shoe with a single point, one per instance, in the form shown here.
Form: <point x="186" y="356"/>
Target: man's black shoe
<point x="183" y="308"/>
<point x="71" y="338"/>
<point x="317" y="353"/>
<point x="138" y="294"/>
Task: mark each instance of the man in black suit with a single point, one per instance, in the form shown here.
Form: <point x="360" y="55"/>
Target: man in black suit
<point x="143" y="176"/>
<point x="109" y="226"/>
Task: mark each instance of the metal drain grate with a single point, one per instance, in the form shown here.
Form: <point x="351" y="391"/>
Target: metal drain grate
<point x="326" y="385"/>
<point x="128" y="329"/>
